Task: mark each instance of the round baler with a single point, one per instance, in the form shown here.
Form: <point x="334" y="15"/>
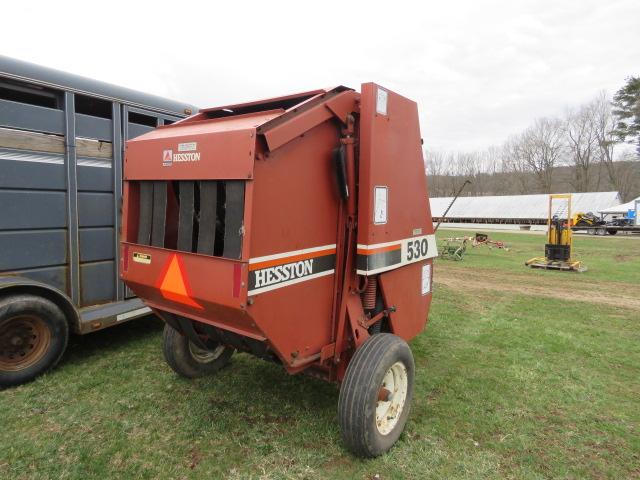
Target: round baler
<point x="297" y="229"/>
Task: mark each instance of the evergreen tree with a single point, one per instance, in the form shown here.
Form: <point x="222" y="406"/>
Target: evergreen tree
<point x="626" y="104"/>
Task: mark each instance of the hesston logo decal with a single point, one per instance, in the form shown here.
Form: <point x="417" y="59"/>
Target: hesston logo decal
<point x="283" y="269"/>
<point x="169" y="158"/>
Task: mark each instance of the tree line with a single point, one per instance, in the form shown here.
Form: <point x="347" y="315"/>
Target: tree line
<point x="581" y="151"/>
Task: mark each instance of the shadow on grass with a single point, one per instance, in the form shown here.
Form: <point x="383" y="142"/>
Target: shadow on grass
<point x="83" y="347"/>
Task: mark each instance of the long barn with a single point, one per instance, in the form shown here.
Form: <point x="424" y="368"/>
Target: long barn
<point x="514" y="211"/>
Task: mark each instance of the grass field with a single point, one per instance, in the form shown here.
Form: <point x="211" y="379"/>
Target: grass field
<point x="521" y="374"/>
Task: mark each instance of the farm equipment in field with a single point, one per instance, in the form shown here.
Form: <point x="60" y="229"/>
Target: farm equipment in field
<point x="297" y="229"/>
<point x="483" y="240"/>
<point x="557" y="250"/>
<point x="454" y="248"/>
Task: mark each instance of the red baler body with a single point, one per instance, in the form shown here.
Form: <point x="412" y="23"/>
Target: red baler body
<point x="234" y="226"/>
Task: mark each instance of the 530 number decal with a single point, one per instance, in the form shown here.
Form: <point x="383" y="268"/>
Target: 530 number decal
<point x="417" y="249"/>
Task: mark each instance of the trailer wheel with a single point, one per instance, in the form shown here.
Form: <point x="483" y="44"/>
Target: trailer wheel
<point x="612" y="232"/>
<point x="33" y="336"/>
<point x="189" y="360"/>
<point x="375" y="397"/>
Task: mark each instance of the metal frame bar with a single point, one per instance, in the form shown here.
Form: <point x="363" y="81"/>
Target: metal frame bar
<point x="116" y="125"/>
<point x="72" y="196"/>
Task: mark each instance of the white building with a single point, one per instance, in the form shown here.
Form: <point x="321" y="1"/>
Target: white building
<point x="620" y="210"/>
<point x="515" y="211"/>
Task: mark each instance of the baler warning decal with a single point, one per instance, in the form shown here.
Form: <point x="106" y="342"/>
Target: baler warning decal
<point x="174" y="285"/>
<point x="283" y="269"/>
<point x="372" y="259"/>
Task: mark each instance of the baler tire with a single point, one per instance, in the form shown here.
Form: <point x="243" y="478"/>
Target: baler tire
<point x="33" y="336"/>
<point x="360" y="393"/>
<point x="180" y="354"/>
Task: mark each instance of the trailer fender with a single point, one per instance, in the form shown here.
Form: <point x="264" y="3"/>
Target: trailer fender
<point x="10" y="284"/>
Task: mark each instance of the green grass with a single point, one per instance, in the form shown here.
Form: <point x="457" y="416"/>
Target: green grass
<point x="615" y="259"/>
<point x="509" y="385"/>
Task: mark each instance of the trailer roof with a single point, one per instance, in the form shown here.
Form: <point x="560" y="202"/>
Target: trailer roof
<point x="49" y="77"/>
<point x="518" y="206"/>
<point x="624" y="208"/>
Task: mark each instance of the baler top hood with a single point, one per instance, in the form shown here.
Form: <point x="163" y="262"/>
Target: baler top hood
<point x="231" y="133"/>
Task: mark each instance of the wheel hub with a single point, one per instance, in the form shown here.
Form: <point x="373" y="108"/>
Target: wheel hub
<point x="202" y="355"/>
<point x="24" y="340"/>
<point x="391" y="398"/>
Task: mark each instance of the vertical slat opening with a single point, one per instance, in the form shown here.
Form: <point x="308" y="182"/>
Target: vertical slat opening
<point x="158" y="227"/>
<point x="234" y="210"/>
<point x="204" y="217"/>
<point x="208" y="208"/>
<point x="144" y="213"/>
<point x="186" y="216"/>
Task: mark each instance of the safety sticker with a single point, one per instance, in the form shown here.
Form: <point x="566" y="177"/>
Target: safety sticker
<point x="426" y="279"/>
<point x="380" y="205"/>
<point x="142" y="258"/>
<point x="174" y="284"/>
<point x="187" y="147"/>
<point x="381" y="101"/>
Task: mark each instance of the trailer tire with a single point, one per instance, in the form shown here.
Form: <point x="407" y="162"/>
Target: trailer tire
<point x="33" y="336"/>
<point x="188" y="360"/>
<point x="372" y="417"/>
<point x="612" y="232"/>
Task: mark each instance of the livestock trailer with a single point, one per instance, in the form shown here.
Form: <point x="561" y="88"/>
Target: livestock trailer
<point x="62" y="140"/>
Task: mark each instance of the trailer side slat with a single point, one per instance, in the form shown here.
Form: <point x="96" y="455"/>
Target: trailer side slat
<point x="185" y="221"/>
<point x="158" y="224"/>
<point x="208" y="207"/>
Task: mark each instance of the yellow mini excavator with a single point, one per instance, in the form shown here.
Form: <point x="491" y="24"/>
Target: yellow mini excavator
<point x="557" y="250"/>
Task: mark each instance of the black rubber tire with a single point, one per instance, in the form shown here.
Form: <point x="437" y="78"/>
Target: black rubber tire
<point x="52" y="319"/>
<point x="612" y="232"/>
<point x="179" y="356"/>
<point x="359" y="394"/>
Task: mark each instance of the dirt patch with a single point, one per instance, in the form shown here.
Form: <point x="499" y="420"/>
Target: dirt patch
<point x="610" y="294"/>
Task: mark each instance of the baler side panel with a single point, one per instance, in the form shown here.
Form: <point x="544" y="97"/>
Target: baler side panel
<point x="402" y="288"/>
<point x="391" y="156"/>
<point x="213" y="149"/>
<point x="396" y="242"/>
<point x="295" y="209"/>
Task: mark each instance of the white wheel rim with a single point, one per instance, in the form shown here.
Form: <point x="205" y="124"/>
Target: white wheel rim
<point x="201" y="355"/>
<point x="388" y="412"/>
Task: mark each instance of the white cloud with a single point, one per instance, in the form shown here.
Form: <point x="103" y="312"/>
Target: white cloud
<point x="479" y="71"/>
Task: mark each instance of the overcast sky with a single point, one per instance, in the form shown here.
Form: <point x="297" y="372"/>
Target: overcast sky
<point x="479" y="70"/>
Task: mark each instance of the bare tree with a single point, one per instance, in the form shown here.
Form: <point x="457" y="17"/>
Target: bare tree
<point x="576" y="153"/>
<point x="541" y="147"/>
<point x="582" y="144"/>
<point x="494" y="173"/>
<point x="514" y="164"/>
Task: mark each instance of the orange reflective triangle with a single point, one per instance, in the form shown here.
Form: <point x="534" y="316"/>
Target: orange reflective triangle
<point x="174" y="284"/>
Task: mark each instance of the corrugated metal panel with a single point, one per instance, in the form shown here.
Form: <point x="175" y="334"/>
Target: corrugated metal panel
<point x="519" y="206"/>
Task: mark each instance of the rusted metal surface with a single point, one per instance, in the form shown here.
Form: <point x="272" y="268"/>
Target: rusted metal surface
<point x="24" y="339"/>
